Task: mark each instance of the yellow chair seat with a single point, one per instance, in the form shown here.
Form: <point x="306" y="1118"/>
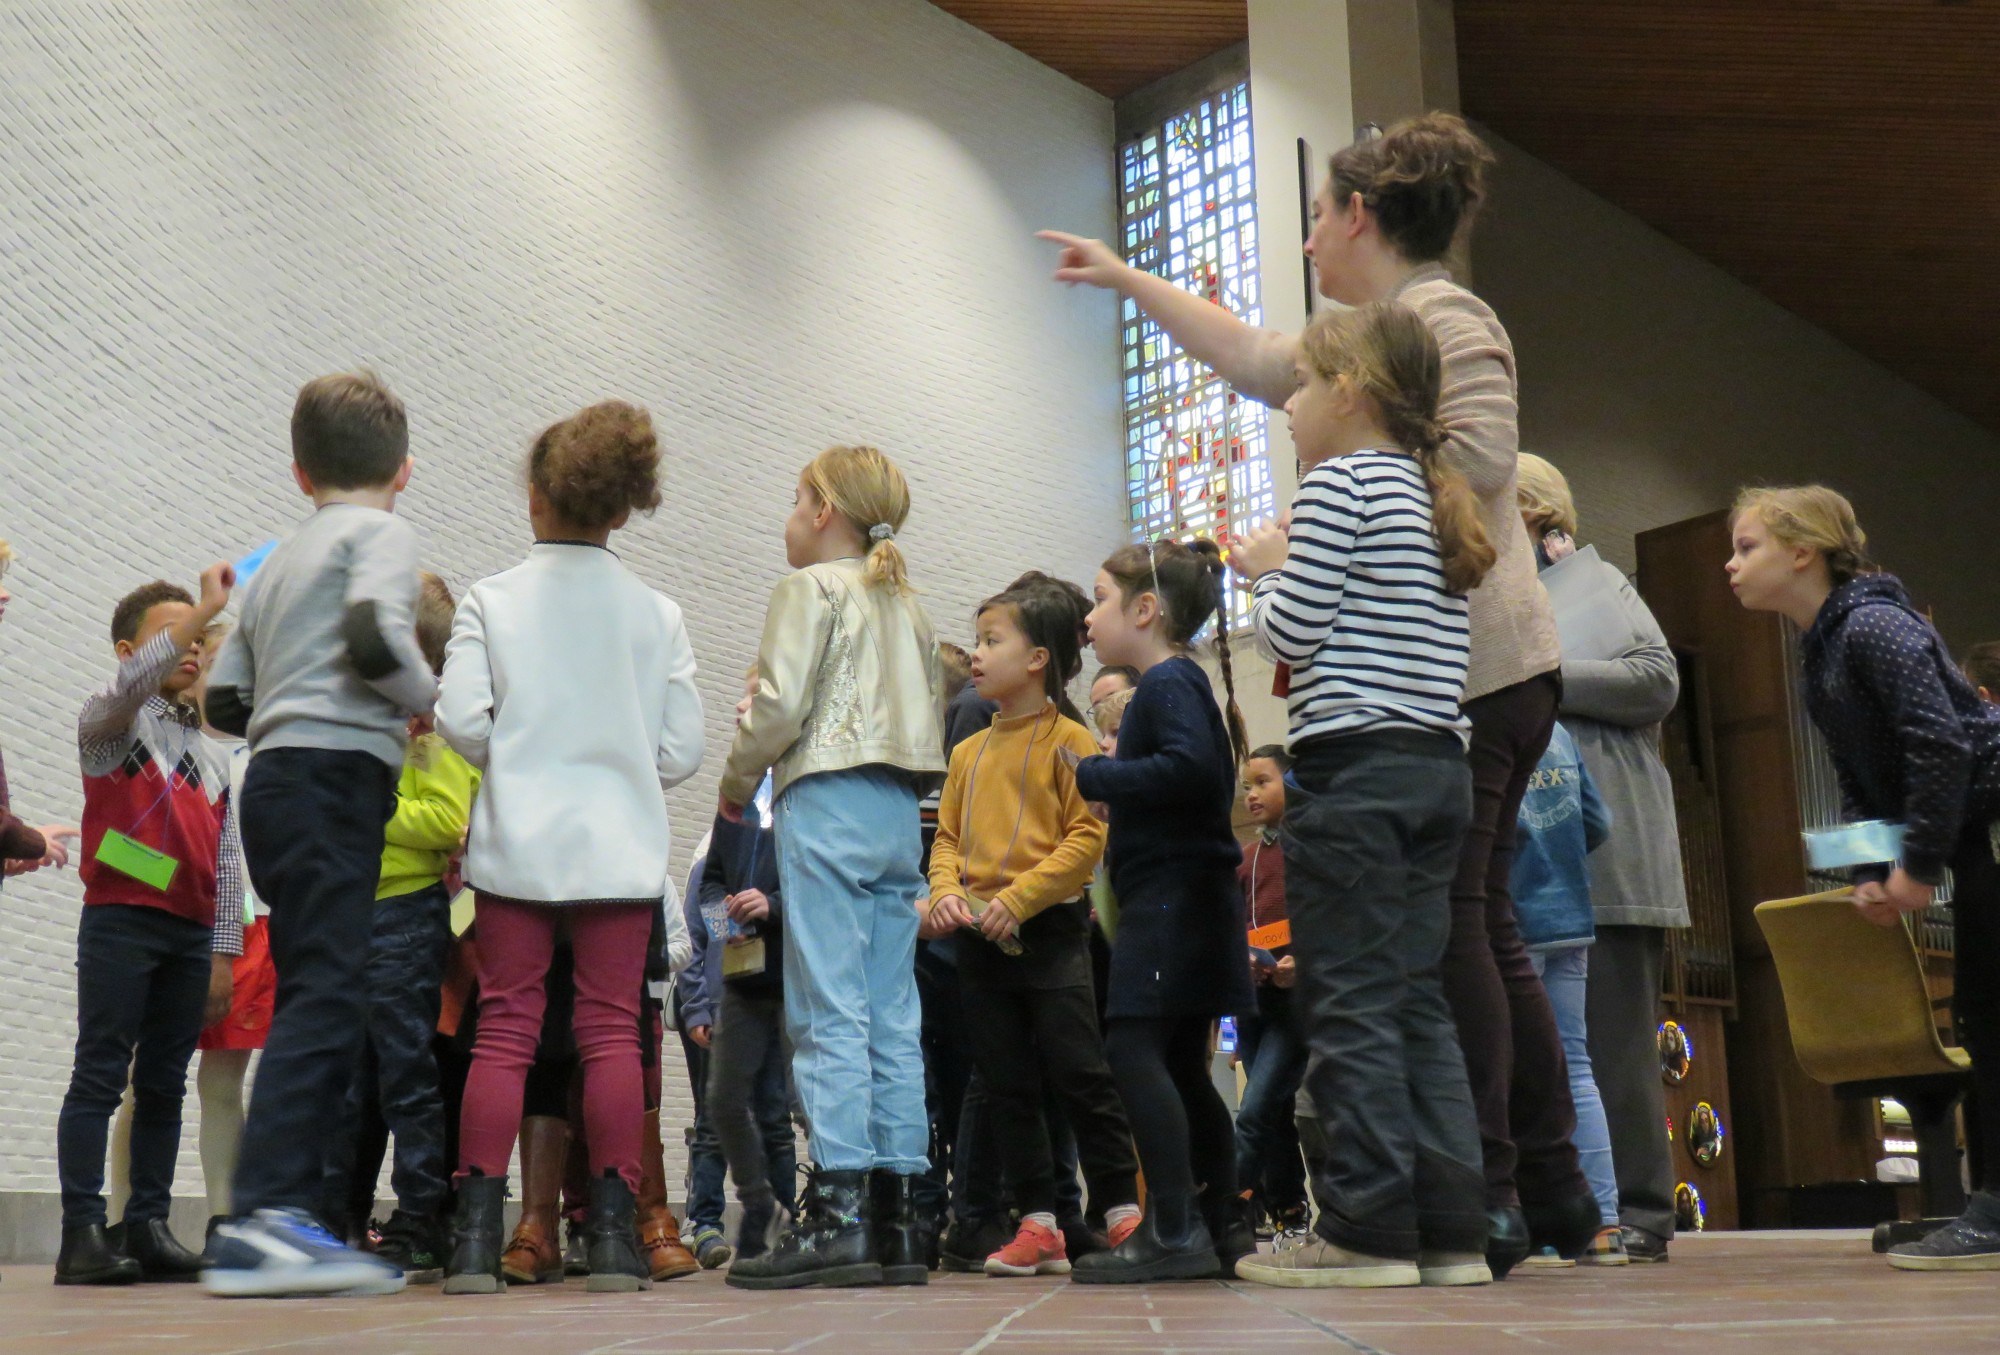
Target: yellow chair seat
<point x="1855" y="995"/>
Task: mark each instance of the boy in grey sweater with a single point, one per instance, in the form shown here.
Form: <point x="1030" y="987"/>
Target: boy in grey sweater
<point x="322" y="675"/>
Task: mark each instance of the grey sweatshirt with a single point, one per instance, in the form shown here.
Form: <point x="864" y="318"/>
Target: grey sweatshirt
<point x="326" y="655"/>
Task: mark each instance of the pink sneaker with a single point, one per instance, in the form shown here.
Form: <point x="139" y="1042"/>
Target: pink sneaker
<point x="1035" y="1250"/>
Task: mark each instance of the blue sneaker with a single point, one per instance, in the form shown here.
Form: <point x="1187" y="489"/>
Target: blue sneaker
<point x="279" y="1252"/>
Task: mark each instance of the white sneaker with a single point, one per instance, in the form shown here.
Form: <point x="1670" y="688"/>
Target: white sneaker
<point x="277" y="1253"/>
<point x="1319" y="1264"/>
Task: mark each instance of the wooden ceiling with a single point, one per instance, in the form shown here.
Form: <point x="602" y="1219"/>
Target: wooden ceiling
<point x="1840" y="156"/>
<point x="1111" y="46"/>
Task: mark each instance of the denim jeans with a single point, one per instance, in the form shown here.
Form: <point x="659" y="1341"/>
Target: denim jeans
<point x="396" y="1078"/>
<point x="706" y="1165"/>
<point x="1566" y="975"/>
<point x="1372" y="840"/>
<point x="749" y="1099"/>
<point x="141" y="980"/>
<point x="1267" y="1135"/>
<point x="312" y="836"/>
<point x="848" y="847"/>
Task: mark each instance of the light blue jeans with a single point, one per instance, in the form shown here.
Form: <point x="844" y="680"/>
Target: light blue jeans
<point x="1566" y="974"/>
<point x="848" y="851"/>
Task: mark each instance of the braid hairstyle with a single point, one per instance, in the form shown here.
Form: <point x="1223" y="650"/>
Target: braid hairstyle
<point x="1385" y="351"/>
<point x="1816" y="517"/>
<point x="1187" y="579"/>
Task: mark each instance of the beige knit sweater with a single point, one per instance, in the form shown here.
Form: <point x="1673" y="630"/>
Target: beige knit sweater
<point x="1513" y="627"/>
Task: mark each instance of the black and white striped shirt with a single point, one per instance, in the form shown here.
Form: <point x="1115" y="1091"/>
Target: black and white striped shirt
<point x="1360" y="612"/>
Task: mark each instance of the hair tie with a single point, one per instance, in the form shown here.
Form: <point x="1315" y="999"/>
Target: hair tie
<point x="881" y="531"/>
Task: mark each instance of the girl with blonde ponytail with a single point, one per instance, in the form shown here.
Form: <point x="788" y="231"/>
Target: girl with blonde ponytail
<point x="1365" y="602"/>
<point x="846" y="718"/>
<point x="1914" y="744"/>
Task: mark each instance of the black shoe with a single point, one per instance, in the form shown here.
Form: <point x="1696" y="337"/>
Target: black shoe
<point x="478" y="1236"/>
<point x="753" y="1231"/>
<point x="1642" y="1247"/>
<point x="899" y="1241"/>
<point x="1079" y="1238"/>
<point x="1567" y="1225"/>
<point x="1969" y="1242"/>
<point x="1233" y="1225"/>
<point x="829" y="1246"/>
<point x="159" y="1253"/>
<point x="1506" y="1240"/>
<point x="611" y="1235"/>
<point x="1170" y="1243"/>
<point x="414" y="1244"/>
<point x="967" y="1244"/>
<point x="89" y="1256"/>
<point x="576" y="1253"/>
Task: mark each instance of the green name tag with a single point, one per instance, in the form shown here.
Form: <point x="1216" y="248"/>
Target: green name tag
<point x="137" y="860"/>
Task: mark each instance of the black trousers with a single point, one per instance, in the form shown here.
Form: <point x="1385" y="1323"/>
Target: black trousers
<point x="141" y="983"/>
<point x="1180" y="1123"/>
<point x="1021" y="1035"/>
<point x="1975" y="1000"/>
<point x="396" y="1077"/>
<point x="1372" y="839"/>
<point x="1513" y="1052"/>
<point x="1622" y="1007"/>
<point x="312" y="822"/>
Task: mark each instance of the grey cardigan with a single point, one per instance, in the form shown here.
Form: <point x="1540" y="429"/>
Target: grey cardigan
<point x="1613" y="709"/>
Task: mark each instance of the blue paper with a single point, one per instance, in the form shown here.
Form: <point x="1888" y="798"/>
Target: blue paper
<point x="1871" y="842"/>
<point x="254" y="561"/>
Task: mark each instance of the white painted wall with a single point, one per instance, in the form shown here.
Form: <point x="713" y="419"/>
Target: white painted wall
<point x="779" y="224"/>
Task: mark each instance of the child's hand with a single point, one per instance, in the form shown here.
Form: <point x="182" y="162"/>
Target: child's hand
<point x="216" y="582"/>
<point x="749" y="906"/>
<point x="701" y="1035"/>
<point x="998" y="922"/>
<point x="56" y="837"/>
<point x="730" y="813"/>
<point x="221" y="989"/>
<point x="946" y="916"/>
<point x="1259" y="553"/>
<point x="27" y="866"/>
<point x="421" y="725"/>
<point x="1286" y="974"/>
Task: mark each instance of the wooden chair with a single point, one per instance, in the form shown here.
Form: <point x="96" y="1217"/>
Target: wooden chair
<point x="1862" y="1022"/>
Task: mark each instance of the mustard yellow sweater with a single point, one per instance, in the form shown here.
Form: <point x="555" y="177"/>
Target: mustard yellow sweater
<point x="433" y="805"/>
<point x="1007" y="775"/>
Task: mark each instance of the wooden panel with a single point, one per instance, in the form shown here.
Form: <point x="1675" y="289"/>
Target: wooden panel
<point x="1707" y="1080"/>
<point x="1838" y="155"/>
<point x="1111" y="46"/>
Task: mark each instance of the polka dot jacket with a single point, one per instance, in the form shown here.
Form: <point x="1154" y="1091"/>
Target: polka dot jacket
<point x="1910" y="737"/>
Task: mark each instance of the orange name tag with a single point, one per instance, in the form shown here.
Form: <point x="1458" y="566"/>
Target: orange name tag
<point x="1277" y="934"/>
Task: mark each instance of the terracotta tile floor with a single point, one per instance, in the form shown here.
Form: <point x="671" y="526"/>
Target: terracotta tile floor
<point x="1765" y="1294"/>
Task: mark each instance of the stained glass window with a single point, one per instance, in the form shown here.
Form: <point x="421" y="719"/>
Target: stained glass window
<point x="1197" y="458"/>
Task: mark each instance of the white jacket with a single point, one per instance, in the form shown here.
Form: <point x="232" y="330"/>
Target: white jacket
<point x="570" y="685"/>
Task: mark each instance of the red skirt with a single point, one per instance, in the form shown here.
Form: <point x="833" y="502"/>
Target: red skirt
<point x="256" y="993"/>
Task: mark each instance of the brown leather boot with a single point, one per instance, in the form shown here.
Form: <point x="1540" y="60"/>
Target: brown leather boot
<point x="659" y="1231"/>
<point x="534" y="1256"/>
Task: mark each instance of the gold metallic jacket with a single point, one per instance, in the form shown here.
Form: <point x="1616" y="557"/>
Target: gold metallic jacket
<point x="847" y="676"/>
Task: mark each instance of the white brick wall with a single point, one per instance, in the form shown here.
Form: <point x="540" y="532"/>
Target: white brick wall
<point x="777" y="223"/>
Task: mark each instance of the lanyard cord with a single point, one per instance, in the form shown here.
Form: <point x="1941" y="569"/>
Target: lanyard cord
<point x="1256" y="857"/>
<point x="1020" y="813"/>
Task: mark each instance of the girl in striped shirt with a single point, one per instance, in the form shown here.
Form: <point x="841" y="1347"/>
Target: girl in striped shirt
<point x="1365" y="602"/>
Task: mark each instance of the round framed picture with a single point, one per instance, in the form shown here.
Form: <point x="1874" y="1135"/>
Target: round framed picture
<point x="1676" y="1053"/>
<point x="1704" y="1134"/>
<point x="1690" y="1214"/>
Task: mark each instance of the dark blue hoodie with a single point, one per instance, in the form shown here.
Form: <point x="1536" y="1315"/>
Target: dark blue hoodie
<point x="1910" y="737"/>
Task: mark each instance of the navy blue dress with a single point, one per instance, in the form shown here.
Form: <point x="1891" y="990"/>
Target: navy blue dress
<point x="1180" y="949"/>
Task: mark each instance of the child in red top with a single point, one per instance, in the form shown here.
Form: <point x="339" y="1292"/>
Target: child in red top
<point x="1269" y="1170"/>
<point x="151" y="827"/>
